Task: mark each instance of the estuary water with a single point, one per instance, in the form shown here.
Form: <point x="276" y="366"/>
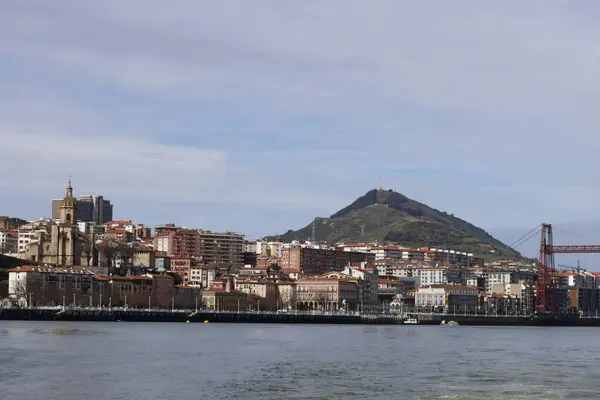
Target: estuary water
<point x="156" y="361"/>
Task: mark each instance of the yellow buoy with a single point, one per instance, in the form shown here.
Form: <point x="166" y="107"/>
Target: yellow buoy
<point x="206" y="321"/>
<point x="187" y="322"/>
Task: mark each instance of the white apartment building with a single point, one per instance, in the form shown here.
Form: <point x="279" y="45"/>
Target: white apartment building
<point x="195" y="277"/>
<point x="394" y="268"/>
<point x="386" y="252"/>
<point x="368" y="283"/>
<point x="438" y="276"/>
<point x="574" y="279"/>
<point x="251" y="247"/>
<point x="163" y="243"/>
<point x="496" y="277"/>
<point x="9" y="242"/>
<point x="273" y="249"/>
<point x="458" y="298"/>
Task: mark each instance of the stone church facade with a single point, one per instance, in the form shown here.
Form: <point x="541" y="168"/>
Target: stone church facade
<point x="65" y="245"/>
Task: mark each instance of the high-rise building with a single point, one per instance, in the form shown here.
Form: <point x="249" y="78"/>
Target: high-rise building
<point x="102" y="210"/>
<point x="208" y="247"/>
<point x="312" y="261"/>
<point x="221" y="248"/>
<point x="90" y="208"/>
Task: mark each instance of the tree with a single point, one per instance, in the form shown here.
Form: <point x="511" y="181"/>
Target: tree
<point x="321" y="299"/>
<point x="177" y="279"/>
<point x="292" y="302"/>
<point x="274" y="267"/>
<point x="19" y="293"/>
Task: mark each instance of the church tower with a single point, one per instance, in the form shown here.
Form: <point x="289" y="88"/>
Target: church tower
<point x="66" y="246"/>
<point x="68" y="208"/>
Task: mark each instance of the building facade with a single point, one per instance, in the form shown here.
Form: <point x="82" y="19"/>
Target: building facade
<point x="368" y="284"/>
<point x="308" y="261"/>
<point x="9" y="242"/>
<point x="447" y="298"/>
<point x="92" y="208"/>
<point x="327" y="293"/>
<point x="11" y="223"/>
<point x="221" y="248"/>
<point x="439" y="275"/>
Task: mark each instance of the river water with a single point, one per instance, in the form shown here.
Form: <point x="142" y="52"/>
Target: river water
<point x="112" y="360"/>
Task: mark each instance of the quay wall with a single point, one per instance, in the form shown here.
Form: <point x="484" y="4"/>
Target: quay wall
<point x="291" y="318"/>
<point x="167" y="316"/>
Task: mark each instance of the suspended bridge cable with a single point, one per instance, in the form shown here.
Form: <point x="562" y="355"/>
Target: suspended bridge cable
<point x="526" y="237"/>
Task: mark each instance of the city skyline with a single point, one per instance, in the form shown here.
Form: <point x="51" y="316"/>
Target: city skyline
<point x="215" y="121"/>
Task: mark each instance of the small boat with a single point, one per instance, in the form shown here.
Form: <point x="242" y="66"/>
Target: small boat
<point x="449" y="323"/>
<point x="411" y="321"/>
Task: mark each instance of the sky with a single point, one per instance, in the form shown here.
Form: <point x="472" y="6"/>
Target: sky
<point x="257" y="117"/>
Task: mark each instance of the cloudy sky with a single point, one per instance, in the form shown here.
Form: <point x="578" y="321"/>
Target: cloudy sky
<point x="258" y="116"/>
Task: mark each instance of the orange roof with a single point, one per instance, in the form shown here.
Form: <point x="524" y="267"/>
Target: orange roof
<point x="115" y="231"/>
<point x="118" y="222"/>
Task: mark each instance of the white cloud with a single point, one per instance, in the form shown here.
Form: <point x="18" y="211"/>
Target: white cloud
<point x="508" y="88"/>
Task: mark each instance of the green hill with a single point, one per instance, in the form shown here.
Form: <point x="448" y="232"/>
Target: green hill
<point x="387" y="217"/>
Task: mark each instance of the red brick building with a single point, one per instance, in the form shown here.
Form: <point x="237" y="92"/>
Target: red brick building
<point x="311" y="261"/>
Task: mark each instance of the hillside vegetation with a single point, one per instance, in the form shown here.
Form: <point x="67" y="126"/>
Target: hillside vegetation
<point x="388" y="217"/>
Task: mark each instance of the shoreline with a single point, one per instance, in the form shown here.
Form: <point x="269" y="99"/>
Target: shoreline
<point x="183" y="316"/>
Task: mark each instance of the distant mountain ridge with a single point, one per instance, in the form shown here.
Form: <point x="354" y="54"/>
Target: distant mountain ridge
<point x="388" y="217"/>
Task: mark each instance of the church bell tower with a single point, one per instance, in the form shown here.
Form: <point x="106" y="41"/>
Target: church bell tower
<point x="68" y="208"/>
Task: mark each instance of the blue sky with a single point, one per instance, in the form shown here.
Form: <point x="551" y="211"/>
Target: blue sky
<point x="258" y="116"/>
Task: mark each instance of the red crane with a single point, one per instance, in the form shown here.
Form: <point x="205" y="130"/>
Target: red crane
<point x="545" y="284"/>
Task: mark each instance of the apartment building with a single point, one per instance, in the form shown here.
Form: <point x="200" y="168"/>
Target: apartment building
<point x="9" y="242"/>
<point x="452" y="257"/>
<point x="447" y="297"/>
<point x="182" y="266"/>
<point x="221" y="248"/>
<point x="11" y="223"/>
<point x="439" y="275"/>
<point x="184" y="242"/>
<point x="498" y="276"/>
<point x="312" y="261"/>
<point x="396" y="268"/>
<point x="368" y="284"/>
<point x="208" y="247"/>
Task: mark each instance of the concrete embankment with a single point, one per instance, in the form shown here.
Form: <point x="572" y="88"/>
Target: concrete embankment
<point x="283" y="318"/>
<point x="168" y="316"/>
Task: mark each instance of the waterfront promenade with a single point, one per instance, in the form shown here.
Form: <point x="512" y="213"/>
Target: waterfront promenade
<point x="292" y="317"/>
<point x="183" y="315"/>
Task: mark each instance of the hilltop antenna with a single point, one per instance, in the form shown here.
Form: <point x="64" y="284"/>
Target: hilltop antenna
<point x="314" y="232"/>
<point x="379" y="195"/>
